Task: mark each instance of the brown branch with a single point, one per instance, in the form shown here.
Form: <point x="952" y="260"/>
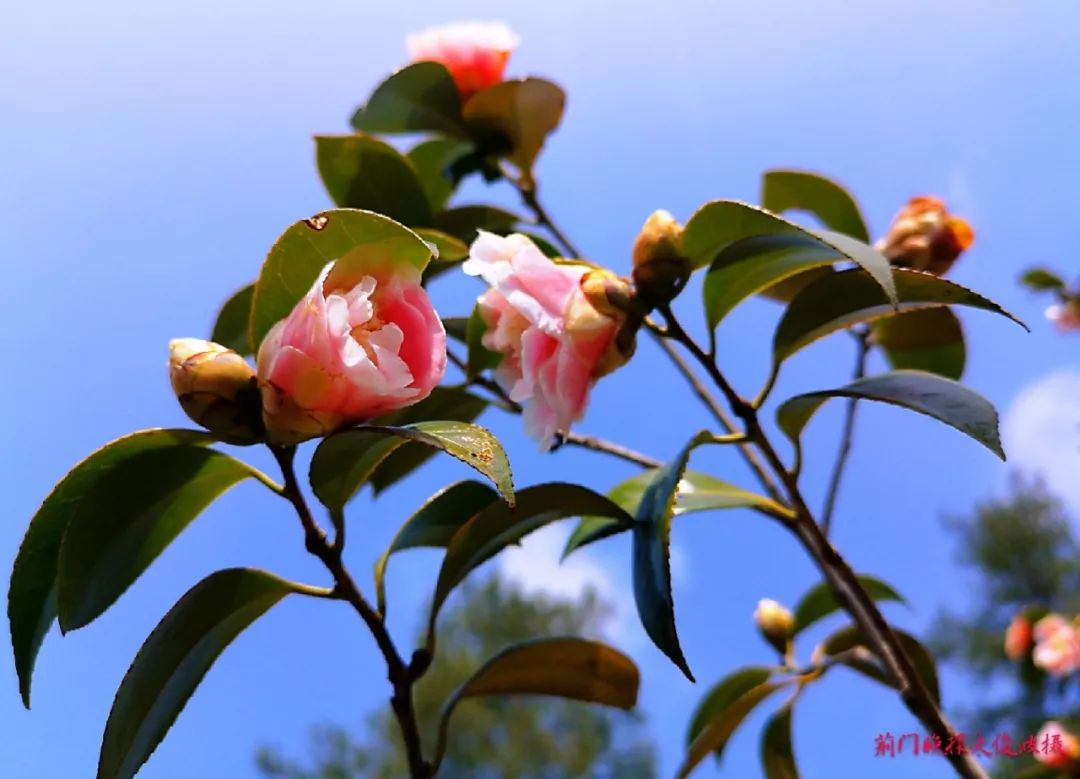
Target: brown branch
<point x="862" y="337"/>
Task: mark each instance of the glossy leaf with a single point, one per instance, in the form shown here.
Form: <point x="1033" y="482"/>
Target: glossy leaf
<point x="480" y="358"/>
<point x="419" y="97"/>
<point x="435" y="524"/>
<point x="755" y="265"/>
<point x="696" y="492"/>
<point x="786" y="190"/>
<point x="174" y="660"/>
<point x="777" y="757"/>
<point x="128" y="517"/>
<point x="652" y="555"/>
<point x="719" y="729"/>
<point x="928" y="340"/>
<point x="721" y="223"/>
<point x="515" y="117"/>
<point x="231" y="325"/>
<point x="32" y="593"/>
<point x="943" y="399"/>
<point x="921" y="658"/>
<point x="464" y="221"/>
<point x="433" y="160"/>
<point x="355" y="240"/>
<point x="344" y="461"/>
<point x="448" y="249"/>
<point x="572" y="668"/>
<point x="851" y="297"/>
<point x="359" y="171"/>
<point x="819" y="602"/>
<point x="498" y="526"/>
<point x="722" y="695"/>
<point x="1040" y="279"/>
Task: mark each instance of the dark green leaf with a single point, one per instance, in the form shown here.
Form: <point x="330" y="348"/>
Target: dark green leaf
<point x="571" y="668"/>
<point x="434" y="524"/>
<point x="176" y="657"/>
<point x="499" y="526"/>
<point x="464" y="221"/>
<point x="353" y="239"/>
<point x="480" y="358"/>
<point x="785" y="190"/>
<point x="723" y="222"/>
<point x="927" y="340"/>
<point x="851" y="297"/>
<point x="777" y="757"/>
<point x="128" y="516"/>
<point x="515" y="118"/>
<point x="921" y="658"/>
<point x="937" y="397"/>
<point x="456" y="327"/>
<point x="724" y="693"/>
<point x="421" y="96"/>
<point x="433" y="160"/>
<point x="819" y="602"/>
<point x="363" y="172"/>
<point x="344" y="461"/>
<point x="32" y="593"/>
<point x="1040" y="279"/>
<point x="231" y="325"/>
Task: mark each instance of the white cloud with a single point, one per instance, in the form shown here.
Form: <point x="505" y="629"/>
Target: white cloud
<point x="1042" y="432"/>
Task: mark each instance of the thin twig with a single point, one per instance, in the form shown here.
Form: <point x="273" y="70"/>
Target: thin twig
<point x="602" y="445"/>
<point x="862" y="351"/>
<point x="527" y="190"/>
<point x="401" y="675"/>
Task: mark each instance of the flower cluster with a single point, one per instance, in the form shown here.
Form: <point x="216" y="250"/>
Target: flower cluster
<point x="1052" y="643"/>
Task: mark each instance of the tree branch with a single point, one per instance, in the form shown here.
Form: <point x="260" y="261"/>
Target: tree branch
<point x="862" y="337"/>
<point x="527" y="190"/>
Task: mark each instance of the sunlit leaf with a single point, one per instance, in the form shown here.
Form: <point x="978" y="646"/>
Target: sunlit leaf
<point x="931" y="340"/>
<point x="421" y="96"/>
<point x="785" y="190"/>
<point x="1040" y="279"/>
<point x="721" y="695"/>
<point x="231" y="325"/>
<point x="819" y="602"/>
<point x="515" y="117"/>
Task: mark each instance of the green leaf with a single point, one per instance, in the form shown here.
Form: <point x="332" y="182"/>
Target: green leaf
<point x="819" y="602"/>
<point x="449" y="251"/>
<point x="419" y="97"/>
<point x="722" y="222"/>
<point x="777" y="757"/>
<point x="435" y="524"/>
<point x="231" y="325"/>
<point x="355" y="240"/>
<point x="515" y="117"/>
<point x="930" y="340"/>
<point x="499" y="525"/>
<point x="175" y="658"/>
<point x="433" y="160"/>
<point x="572" y="668"/>
<point x="344" y="461"/>
<point x="128" y="516"/>
<point x="363" y="172"/>
<point x="480" y="358"/>
<point x="921" y="658"/>
<point x="785" y="190"/>
<point x="696" y="492"/>
<point x="464" y="221"/>
<point x="937" y="397"/>
<point x="32" y="593"/>
<point x="1041" y="279"/>
<point x="652" y="555"/>
<point x="851" y="297"/>
<point x="755" y="265"/>
<point x="456" y="327"/>
<point x="722" y="694"/>
<point x="719" y="729"/>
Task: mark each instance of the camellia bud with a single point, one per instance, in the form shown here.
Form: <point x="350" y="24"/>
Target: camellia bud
<point x="217" y="389"/>
<point x="776" y="624"/>
<point x="660" y="267"/>
<point x="1019" y="638"/>
<point x="925" y="236"/>
<point x="1057" y="747"/>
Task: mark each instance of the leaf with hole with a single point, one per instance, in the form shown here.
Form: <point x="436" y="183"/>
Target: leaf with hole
<point x="930" y="340"/>
<point x="819" y="602"/>
<point x="175" y="658"/>
<point x="943" y="399"/>
<point x="419" y="97"/>
<point x="231" y="325"/>
<point x="515" y="117"/>
<point x="834" y="206"/>
<point x="355" y="240"/>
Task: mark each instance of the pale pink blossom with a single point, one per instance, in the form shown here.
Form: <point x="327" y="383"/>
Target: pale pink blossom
<point x="1057" y="645"/>
<point x="1018" y="638"/>
<point x="1056" y="747"/>
<point x="554" y="343"/>
<point x="1065" y="316"/>
<point x="475" y="53"/>
<point x="356" y="346"/>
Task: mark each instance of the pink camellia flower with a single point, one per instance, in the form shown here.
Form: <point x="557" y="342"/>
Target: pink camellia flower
<point x="1057" y="645"/>
<point x="554" y="343"/>
<point x="926" y="237"/>
<point x="361" y="343"/>
<point x="1065" y="316"/>
<point x="475" y="53"/>
<point x="1057" y="747"/>
<point x="1018" y="638"/>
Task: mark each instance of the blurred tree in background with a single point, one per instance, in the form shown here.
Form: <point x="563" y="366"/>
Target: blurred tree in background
<point x="1023" y="552"/>
<point x="492" y="738"/>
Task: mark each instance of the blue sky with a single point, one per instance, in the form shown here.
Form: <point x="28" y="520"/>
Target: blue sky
<point x="150" y="154"/>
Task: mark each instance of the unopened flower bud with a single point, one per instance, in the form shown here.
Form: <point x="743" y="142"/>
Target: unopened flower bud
<point x="1019" y="638"/>
<point x="660" y="267"/>
<point x="776" y="624"/>
<point x="216" y="388"/>
<point x="925" y="236"/>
